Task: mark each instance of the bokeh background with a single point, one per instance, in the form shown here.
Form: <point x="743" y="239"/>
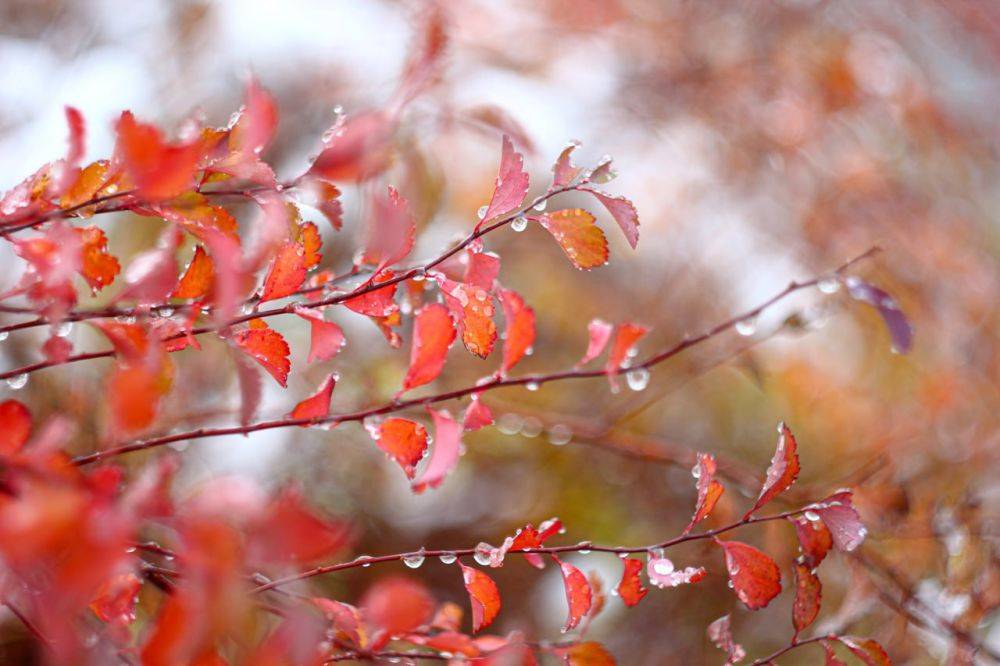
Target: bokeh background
<point x="760" y="141"/>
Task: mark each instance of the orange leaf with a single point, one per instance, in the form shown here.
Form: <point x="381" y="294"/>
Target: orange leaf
<point x="631" y="589"/>
<point x="808" y="595"/>
<point x="116" y="599"/>
<point x="97" y="266"/>
<point x="484" y="596"/>
<point x="311" y="242"/>
<point x="433" y="333"/>
<point x="86" y="185"/>
<point x="377" y="302"/>
<point x="588" y="653"/>
<point x="15" y="426"/>
<point x="404" y="440"/>
<point x="755" y="577"/>
<point x="133" y="396"/>
<point x="198" y="277"/>
<point x="318" y="404"/>
<point x="287" y="272"/>
<point x="578" y="593"/>
<point x="782" y="471"/>
<point x="267" y="347"/>
<point x="520" y="328"/>
<point x="473" y="308"/>
<point x="867" y="650"/>
<point x="579" y="237"/>
<point x="709" y="490"/>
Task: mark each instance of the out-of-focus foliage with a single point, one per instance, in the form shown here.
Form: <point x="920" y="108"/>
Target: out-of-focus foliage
<point x="760" y="142"/>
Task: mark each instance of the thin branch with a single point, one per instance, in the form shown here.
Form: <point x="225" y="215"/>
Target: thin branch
<point x="586" y="546"/>
<point x="492" y="384"/>
<point x="365" y="288"/>
<point x="788" y="648"/>
<point x="29" y="625"/>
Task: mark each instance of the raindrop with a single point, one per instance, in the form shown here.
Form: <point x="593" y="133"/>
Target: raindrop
<point x="364" y="560"/>
<point x="532" y="427"/>
<point x="830" y="285"/>
<point x="696" y="471"/>
<point x="18" y="381"/>
<point x="247" y="308"/>
<point x="637" y="379"/>
<point x="481" y="213"/>
<point x="447" y="558"/>
<point x="746" y="327"/>
<point x="414" y="560"/>
<point x="482" y="554"/>
<point x="730" y="584"/>
<point x="4" y="335"/>
<point x="166" y="312"/>
<point x="519" y="224"/>
<point x="63" y="328"/>
<point x="811" y="516"/>
<point x="531" y="386"/>
<point x="560" y="435"/>
<point x="663" y="567"/>
<point x="540" y="206"/>
<point x="510" y="424"/>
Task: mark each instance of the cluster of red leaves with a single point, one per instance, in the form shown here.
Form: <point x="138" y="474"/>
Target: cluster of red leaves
<point x="74" y="540"/>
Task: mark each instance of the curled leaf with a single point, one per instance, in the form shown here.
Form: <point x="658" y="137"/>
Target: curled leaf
<point x="268" y="348"/>
<point x="578" y="593"/>
<point x="721" y="634"/>
<point x="815" y="540"/>
<point x="511" y="184"/>
<point x="444" y="455"/>
<point x="709" y="490"/>
<point x="895" y="321"/>
<point x="839" y="515"/>
<point x="624" y="213"/>
<point x="197" y="278"/>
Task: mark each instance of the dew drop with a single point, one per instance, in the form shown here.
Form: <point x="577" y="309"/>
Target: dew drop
<point x="364" y="560"/>
<point x="166" y="312"/>
<point x="730" y="584"/>
<point x="482" y="554"/>
<point x="531" y="386"/>
<point x="663" y="567"/>
<point x="560" y="435"/>
<point x="18" y="381"/>
<point x="4" y="335"/>
<point x="696" y="471"/>
<point x="830" y="285"/>
<point x="811" y="516"/>
<point x="747" y="327"/>
<point x="481" y="213"/>
<point x="540" y="206"/>
<point x="414" y="560"/>
<point x="637" y="379"/>
<point x="63" y="329"/>
<point x="510" y="424"/>
<point x="532" y="427"/>
<point x="447" y="558"/>
<point x="519" y="224"/>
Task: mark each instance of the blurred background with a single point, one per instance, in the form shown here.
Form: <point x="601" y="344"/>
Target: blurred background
<point x="760" y="141"/>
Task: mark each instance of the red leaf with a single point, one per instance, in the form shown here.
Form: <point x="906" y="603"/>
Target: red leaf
<point x="424" y="63"/>
<point x="529" y="537"/>
<point x="755" y="577"/>
<point x="477" y="415"/>
<point x="895" y="321"/>
<point x="77" y="136"/>
<point x="287" y="272"/>
<point x="378" y="302"/>
<point x="831" y="658"/>
<point x="159" y="170"/>
<point x="563" y="171"/>
<point x="398" y="605"/>
<point x="198" y="277"/>
<point x="404" y="440"/>
<point x="308" y="236"/>
<point x="116" y="599"/>
<point x="134" y="394"/>
<point x="433" y="333"/>
<point x="867" y="650"/>
<point x="511" y="183"/>
<point x="290" y="532"/>
<point x="391" y="231"/>
<point x="808" y="595"/>
<point x="483" y="596"/>
<point x="721" y="635"/>
<point x="839" y="515"/>
<point x="782" y="471"/>
<point x="473" y="309"/>
<point x="627" y="336"/>
<point x="130" y="341"/>
<point x="356" y="148"/>
<point x="97" y="266"/>
<point x="814" y="540"/>
<point x="483" y="269"/>
<point x="624" y="213"/>
<point x="15" y="426"/>
<point x="709" y="490"/>
<point x="662" y="573"/>
<point x="578" y="236"/>
<point x="630" y="588"/>
<point x="578" y="593"/>
<point x="267" y="347"/>
<point x="345" y="618"/>
<point x="326" y="338"/>
<point x="444" y="455"/>
<point x="257" y="121"/>
<point x="520" y="328"/>
<point x="318" y="404"/>
<point x="599" y="332"/>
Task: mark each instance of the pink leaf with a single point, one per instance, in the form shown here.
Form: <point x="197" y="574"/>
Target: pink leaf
<point x="477" y="414"/>
<point x="599" y="332"/>
<point x="483" y="269"/>
<point x="624" y="213"/>
<point x="721" y="635"/>
<point x="391" y="231"/>
<point x="77" y="136"/>
<point x="511" y="183"/>
<point x="563" y="171"/>
<point x="326" y="338"/>
<point x="444" y="455"/>
<point x="662" y="573"/>
<point x="839" y="515"/>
